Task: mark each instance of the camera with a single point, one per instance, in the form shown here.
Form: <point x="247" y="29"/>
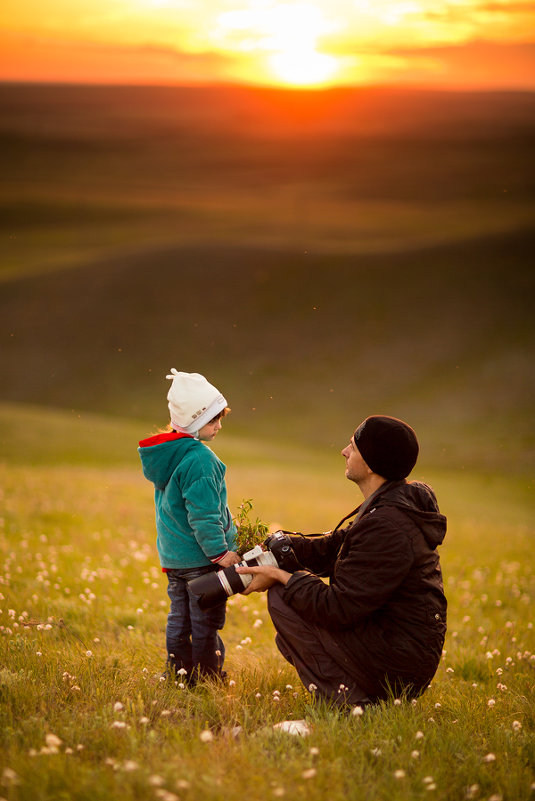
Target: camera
<point x="213" y="588"/>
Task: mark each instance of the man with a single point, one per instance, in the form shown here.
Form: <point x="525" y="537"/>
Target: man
<point x="378" y="627"/>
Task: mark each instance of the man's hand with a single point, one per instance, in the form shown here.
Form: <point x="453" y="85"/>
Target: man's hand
<point x="230" y="558"/>
<point x="264" y="577"/>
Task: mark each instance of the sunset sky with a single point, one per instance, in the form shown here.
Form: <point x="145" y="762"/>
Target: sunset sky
<point x="450" y="43"/>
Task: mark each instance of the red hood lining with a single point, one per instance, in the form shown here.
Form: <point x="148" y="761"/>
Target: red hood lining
<point x="158" y="439"/>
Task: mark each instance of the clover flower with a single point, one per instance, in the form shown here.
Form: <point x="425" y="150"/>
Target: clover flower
<point x="206" y="736"/>
<point x="9" y="777"/>
<point x="471" y="791"/>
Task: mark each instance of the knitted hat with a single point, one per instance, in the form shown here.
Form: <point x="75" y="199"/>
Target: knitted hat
<point x="193" y="402"/>
<point x="388" y="446"/>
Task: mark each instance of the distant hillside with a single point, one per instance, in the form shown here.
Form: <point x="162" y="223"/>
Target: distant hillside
<point x="93" y="170"/>
<point x="320" y="255"/>
<point x="303" y="346"/>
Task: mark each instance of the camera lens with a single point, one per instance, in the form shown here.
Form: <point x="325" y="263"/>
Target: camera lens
<point x="213" y="588"/>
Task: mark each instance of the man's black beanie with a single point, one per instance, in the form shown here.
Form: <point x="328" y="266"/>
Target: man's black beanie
<point x="388" y="446"/>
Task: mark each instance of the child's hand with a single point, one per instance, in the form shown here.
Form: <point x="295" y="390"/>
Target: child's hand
<point x="230" y="558"/>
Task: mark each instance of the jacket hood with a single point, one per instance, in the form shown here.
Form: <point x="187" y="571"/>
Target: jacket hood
<point x="418" y="501"/>
<point x="161" y="454"/>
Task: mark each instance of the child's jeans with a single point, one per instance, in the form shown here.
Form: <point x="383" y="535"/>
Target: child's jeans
<point x="192" y="639"/>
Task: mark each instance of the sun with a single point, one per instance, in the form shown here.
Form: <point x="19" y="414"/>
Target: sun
<point x="286" y="37"/>
<point x="303" y="67"/>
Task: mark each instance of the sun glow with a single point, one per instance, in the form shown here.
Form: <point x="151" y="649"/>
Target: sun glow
<point x="303" y="68"/>
<point x="301" y="43"/>
<point x="289" y="35"/>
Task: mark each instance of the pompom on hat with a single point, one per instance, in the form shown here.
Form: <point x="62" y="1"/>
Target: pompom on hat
<point x="192" y="401"/>
<point x="388" y="446"/>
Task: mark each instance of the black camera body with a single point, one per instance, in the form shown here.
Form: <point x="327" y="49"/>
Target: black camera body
<point x="213" y="588"/>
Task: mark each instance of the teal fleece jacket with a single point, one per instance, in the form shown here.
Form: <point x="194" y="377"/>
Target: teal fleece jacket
<point x="193" y="521"/>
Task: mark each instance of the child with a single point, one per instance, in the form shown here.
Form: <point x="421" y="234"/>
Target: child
<point x="195" y="530"/>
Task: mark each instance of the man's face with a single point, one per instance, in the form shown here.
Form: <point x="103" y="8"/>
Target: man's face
<point x="208" y="432"/>
<point x="356" y="468"/>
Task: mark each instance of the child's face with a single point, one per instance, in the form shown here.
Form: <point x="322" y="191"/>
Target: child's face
<point x="209" y="431"/>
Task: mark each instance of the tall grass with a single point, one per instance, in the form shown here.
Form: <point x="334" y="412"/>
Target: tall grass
<point x="86" y="714"/>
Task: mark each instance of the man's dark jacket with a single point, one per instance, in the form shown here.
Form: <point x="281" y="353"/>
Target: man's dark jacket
<point x="385" y="602"/>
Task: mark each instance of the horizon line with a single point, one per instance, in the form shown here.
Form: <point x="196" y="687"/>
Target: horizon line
<point x="306" y="90"/>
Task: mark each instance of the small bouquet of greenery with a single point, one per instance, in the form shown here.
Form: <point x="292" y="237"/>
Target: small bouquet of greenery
<point x="249" y="533"/>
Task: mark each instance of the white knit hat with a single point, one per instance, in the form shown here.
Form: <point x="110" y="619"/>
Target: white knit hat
<point x="193" y="402"/>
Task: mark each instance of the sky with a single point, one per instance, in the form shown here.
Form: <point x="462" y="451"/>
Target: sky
<point x="461" y="44"/>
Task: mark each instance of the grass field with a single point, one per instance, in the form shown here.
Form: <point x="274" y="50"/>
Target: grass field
<point x="84" y="714"/>
<point x="320" y="257"/>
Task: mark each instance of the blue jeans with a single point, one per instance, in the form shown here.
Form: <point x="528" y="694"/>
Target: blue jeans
<point x="192" y="639"/>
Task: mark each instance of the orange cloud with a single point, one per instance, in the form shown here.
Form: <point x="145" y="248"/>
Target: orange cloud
<point x="28" y="57"/>
<point x="472" y="65"/>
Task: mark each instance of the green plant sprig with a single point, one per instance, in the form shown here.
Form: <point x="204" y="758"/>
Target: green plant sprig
<point x="249" y="533"/>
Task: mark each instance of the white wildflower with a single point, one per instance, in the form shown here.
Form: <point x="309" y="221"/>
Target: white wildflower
<point x="399" y="774"/>
<point x="117" y="706"/>
<point x="489" y="758"/>
<point x="419" y="735"/>
<point x="415" y="754"/>
<point x="517" y="725"/>
<point x="471" y="791"/>
<point x="309" y="774"/>
<point x="9" y="777"/>
<point x="52" y="740"/>
<point x="206" y="736"/>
